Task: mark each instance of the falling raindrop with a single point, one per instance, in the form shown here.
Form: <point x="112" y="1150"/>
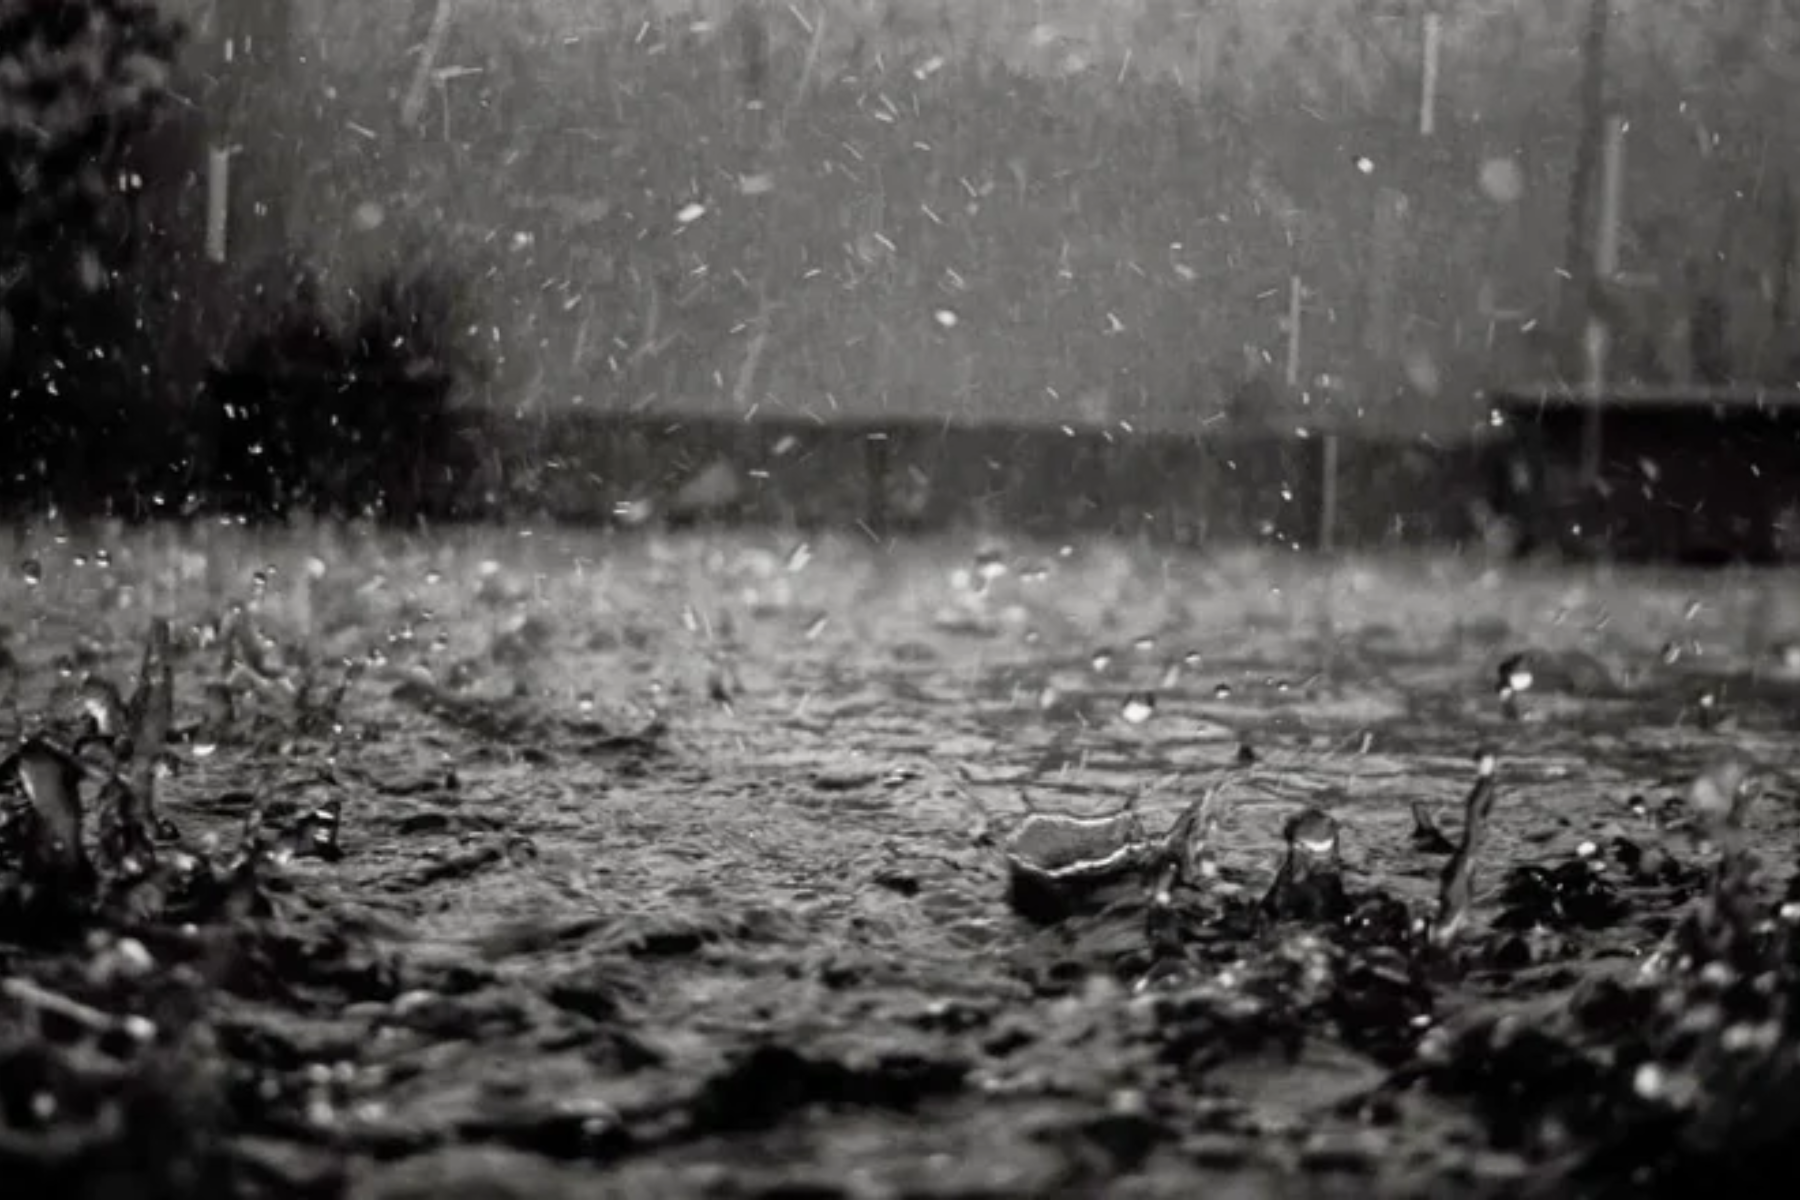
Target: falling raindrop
<point x="32" y="571"/>
<point x="585" y="703"/>
<point x="990" y="565"/>
<point x="1102" y="661"/>
<point x="1145" y="644"/>
<point x="1222" y="692"/>
<point x="1139" y="707"/>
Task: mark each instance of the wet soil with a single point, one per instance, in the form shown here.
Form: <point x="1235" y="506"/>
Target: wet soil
<point x="674" y="867"/>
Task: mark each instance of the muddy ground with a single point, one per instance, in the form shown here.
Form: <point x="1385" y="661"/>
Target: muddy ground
<point x="674" y="867"/>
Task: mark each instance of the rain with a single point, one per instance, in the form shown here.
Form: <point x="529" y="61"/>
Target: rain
<point x="898" y="598"/>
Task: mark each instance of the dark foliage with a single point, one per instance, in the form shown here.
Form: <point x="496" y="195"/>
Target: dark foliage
<point x="79" y="81"/>
<point x="348" y="415"/>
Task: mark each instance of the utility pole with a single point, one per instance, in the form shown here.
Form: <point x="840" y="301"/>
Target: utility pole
<point x="1578" y="260"/>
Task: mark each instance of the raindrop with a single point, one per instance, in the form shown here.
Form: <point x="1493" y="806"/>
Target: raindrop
<point x="1191" y="659"/>
<point x="1048" y="697"/>
<point x="1222" y="692"/>
<point x="585" y="703"/>
<point x="434" y="577"/>
<point x="817" y="627"/>
<point x="1671" y="653"/>
<point x="798" y="557"/>
<point x="1139" y="707"/>
<point x="1145" y="644"/>
<point x="990" y="565"/>
<point x="32" y="571"/>
<point x="1102" y="661"/>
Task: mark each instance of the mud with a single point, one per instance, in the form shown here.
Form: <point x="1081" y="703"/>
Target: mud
<point x="539" y="863"/>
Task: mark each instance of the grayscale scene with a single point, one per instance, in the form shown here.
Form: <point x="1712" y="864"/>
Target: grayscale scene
<point x="899" y="599"/>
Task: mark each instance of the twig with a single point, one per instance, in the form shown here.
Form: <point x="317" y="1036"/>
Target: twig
<point x="414" y="105"/>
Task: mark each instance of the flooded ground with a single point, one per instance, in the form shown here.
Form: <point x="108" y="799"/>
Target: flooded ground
<point x="675" y="867"/>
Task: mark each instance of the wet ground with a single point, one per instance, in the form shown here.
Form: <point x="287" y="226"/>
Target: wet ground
<point x="677" y="867"/>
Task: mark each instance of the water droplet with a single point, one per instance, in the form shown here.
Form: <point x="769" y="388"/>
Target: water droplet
<point x="1222" y="692"/>
<point x="1102" y="661"/>
<point x="1139" y="707"/>
<point x="434" y="577"/>
<point x="798" y="557"/>
<point x="32" y="571"/>
<point x="1671" y="653"/>
<point x="585" y="703"/>
<point x="1145" y="644"/>
<point x="1048" y="697"/>
<point x="817" y="627"/>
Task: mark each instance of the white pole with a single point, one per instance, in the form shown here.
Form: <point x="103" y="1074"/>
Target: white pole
<point x="1293" y="340"/>
<point x="1434" y="28"/>
<point x="218" y="202"/>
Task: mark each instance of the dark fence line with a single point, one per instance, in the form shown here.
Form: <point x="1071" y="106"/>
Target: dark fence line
<point x="905" y="475"/>
<point x="887" y="477"/>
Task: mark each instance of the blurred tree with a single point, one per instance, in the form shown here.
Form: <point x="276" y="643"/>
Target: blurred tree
<point x="79" y="80"/>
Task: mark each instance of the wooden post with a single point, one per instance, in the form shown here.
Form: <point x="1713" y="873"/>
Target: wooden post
<point x="1434" y="24"/>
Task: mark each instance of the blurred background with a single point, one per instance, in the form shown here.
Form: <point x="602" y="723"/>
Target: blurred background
<point x="1198" y="269"/>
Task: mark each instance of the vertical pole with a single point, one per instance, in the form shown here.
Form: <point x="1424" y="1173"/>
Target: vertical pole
<point x="1598" y="336"/>
<point x="1434" y="22"/>
<point x="1612" y="199"/>
<point x="1388" y="231"/>
<point x="218" y="204"/>
<point x="1293" y="332"/>
<point x="1328" y="494"/>
<point x="1576" y="260"/>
